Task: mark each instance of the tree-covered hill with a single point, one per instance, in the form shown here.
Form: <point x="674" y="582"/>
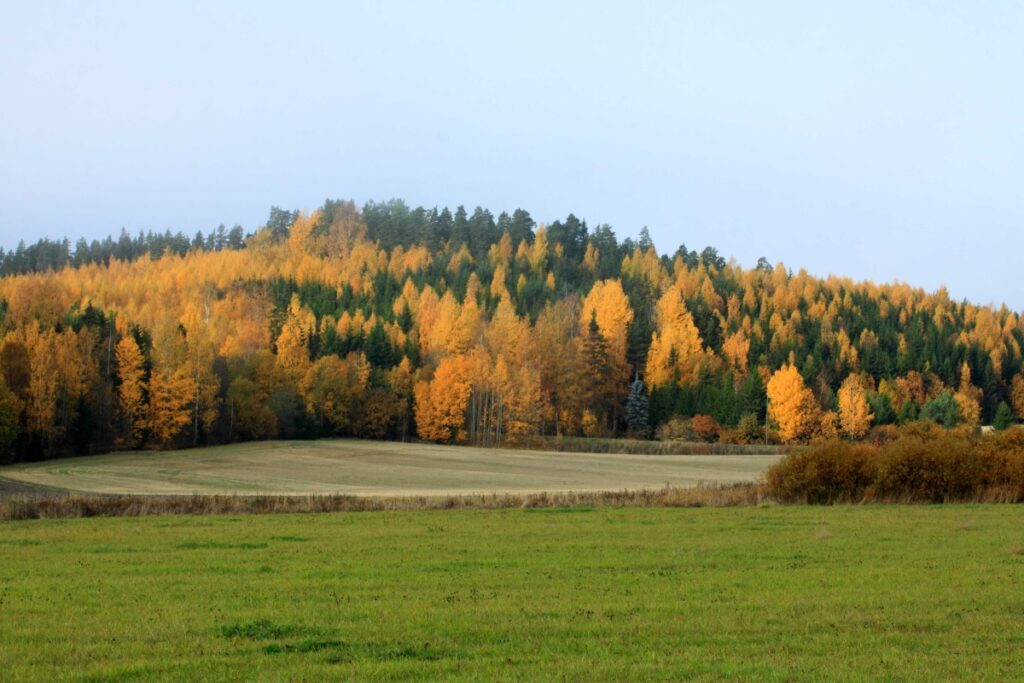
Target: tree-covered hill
<point x="394" y="322"/>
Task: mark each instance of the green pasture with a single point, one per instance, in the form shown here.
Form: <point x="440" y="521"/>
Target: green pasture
<point x="754" y="593"/>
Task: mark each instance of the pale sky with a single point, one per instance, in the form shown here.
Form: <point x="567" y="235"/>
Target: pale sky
<point x="871" y="139"/>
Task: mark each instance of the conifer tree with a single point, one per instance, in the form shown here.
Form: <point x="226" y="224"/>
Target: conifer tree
<point x="1004" y="417"/>
<point x="638" y="408"/>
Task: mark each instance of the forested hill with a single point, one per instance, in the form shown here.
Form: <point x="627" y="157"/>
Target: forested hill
<point x="391" y="322"/>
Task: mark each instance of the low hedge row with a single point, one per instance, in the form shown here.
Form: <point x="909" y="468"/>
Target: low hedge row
<point x="920" y="464"/>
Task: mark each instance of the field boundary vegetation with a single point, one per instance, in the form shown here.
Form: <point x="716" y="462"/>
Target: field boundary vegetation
<point x="622" y="446"/>
<point x="22" y="506"/>
<point x="918" y="464"/>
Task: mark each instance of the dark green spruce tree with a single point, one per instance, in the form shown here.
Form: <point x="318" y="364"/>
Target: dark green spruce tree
<point x="638" y="409"/>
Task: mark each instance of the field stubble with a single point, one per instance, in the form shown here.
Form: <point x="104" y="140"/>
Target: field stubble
<point x="385" y="469"/>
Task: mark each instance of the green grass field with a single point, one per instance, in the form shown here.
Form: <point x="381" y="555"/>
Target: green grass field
<point x="379" y="468"/>
<point x="754" y="593"/>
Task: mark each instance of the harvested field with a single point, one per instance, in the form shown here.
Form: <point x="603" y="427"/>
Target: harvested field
<point x="9" y="487"/>
<point x="373" y="468"/>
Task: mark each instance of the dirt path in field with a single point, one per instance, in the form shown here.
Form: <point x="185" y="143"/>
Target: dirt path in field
<point x="372" y="468"/>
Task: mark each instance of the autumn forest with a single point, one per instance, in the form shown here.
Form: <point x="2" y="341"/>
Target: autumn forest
<point x="388" y="322"/>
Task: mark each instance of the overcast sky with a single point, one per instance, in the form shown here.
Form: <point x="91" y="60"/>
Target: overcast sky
<point x="876" y="140"/>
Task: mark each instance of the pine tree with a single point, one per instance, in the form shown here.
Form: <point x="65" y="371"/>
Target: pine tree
<point x="943" y="409"/>
<point x="638" y="409"/>
<point x="598" y="378"/>
<point x="1004" y="417"/>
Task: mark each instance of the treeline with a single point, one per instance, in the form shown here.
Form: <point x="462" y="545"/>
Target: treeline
<point x="391" y="322"/>
<point x="46" y="254"/>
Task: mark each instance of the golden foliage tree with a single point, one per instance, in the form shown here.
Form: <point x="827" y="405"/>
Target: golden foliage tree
<point x="676" y="350"/>
<point x="201" y="354"/>
<point x="562" y="373"/>
<point x="968" y="398"/>
<point x="855" y="414"/>
<point x="441" y="402"/>
<point x="293" y="342"/>
<point x="609" y="306"/>
<point x="792" y="406"/>
<point x="171" y="389"/>
<point x="130" y="397"/>
<point x="43" y="389"/>
<point x="736" y="351"/>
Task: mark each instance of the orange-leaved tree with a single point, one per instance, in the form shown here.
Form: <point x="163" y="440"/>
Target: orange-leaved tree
<point x="441" y="403"/>
<point x="171" y="388"/>
<point x="130" y="397"/>
<point x="293" y="341"/>
<point x="968" y="398"/>
<point x="854" y="412"/>
<point x="608" y="305"/>
<point x="792" y="406"/>
<point x="676" y="349"/>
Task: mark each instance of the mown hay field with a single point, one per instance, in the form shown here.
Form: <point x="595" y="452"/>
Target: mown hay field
<point x="375" y="468"/>
<point x="589" y="594"/>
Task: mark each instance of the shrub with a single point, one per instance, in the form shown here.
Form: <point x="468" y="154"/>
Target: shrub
<point x="750" y="429"/>
<point x="676" y="429"/>
<point x="923" y="464"/>
<point x="705" y="427"/>
<point x="929" y="470"/>
<point x="829" y="472"/>
<point x="730" y="436"/>
<point x="882" y="434"/>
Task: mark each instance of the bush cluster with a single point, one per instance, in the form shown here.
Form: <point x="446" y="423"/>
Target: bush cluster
<point x="919" y="464"/>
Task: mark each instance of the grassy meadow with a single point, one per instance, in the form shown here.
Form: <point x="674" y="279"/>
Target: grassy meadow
<point x="748" y="593"/>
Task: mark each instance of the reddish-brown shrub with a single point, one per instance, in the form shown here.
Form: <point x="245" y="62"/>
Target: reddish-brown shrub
<point x="730" y="436"/>
<point x="705" y="427"/>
